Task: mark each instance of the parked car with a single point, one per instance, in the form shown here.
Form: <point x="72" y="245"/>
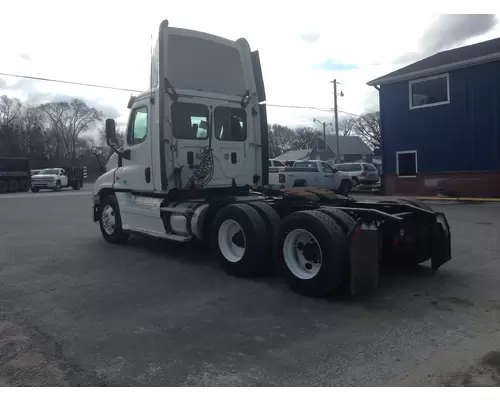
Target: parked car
<point x="313" y="173"/>
<point x="361" y="173"/>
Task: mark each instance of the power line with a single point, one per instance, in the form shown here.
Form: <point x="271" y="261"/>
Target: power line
<point x="323" y="109"/>
<point x="68" y="82"/>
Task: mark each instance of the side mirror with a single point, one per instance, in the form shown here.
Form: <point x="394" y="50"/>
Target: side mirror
<point x="335" y="170"/>
<point x="111" y="138"/>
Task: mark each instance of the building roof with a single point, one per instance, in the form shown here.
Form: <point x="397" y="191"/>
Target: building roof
<point x="462" y="57"/>
<point x="348" y="144"/>
<point x="294" y="155"/>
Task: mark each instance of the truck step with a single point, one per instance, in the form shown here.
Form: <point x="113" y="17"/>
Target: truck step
<point x="177" y="238"/>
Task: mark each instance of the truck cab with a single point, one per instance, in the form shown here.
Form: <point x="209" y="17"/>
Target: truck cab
<point x="198" y="127"/>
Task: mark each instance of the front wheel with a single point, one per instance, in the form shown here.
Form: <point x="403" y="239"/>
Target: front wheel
<point x="35" y="189"/>
<point x="57" y="188"/>
<point x="110" y="221"/>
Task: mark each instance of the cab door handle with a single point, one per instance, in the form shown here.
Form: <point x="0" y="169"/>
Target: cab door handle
<point x="147" y="174"/>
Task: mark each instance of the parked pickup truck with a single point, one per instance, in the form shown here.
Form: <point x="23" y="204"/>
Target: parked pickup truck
<point x="57" y="178"/>
<point x="314" y="173"/>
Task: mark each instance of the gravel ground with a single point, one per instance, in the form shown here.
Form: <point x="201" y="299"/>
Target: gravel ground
<point x="77" y="311"/>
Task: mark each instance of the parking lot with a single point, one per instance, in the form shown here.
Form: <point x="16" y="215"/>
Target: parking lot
<point x="77" y="311"/>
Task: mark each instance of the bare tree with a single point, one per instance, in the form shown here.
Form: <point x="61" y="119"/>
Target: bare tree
<point x="346" y="126"/>
<point x="367" y="126"/>
<point x="305" y="138"/>
<point x="68" y="121"/>
<point x="280" y="139"/>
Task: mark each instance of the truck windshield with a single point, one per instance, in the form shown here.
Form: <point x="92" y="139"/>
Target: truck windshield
<point x="49" y="171"/>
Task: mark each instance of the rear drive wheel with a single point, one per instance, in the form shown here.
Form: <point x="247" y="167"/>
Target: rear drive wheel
<point x="272" y="221"/>
<point x="238" y="236"/>
<point x="344" y="220"/>
<point x="310" y="250"/>
<point x="110" y="221"/>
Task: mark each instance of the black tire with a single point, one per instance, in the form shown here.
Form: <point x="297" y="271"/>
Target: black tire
<point x="256" y="237"/>
<point x="57" y="188"/>
<point x="75" y="185"/>
<point x="24" y="186"/>
<point x="117" y="236"/>
<point x="79" y="185"/>
<point x="13" y="186"/>
<point x="4" y="187"/>
<point x="344" y="220"/>
<point x="272" y="221"/>
<point x="35" y="189"/>
<point x="344" y="188"/>
<point x="334" y="268"/>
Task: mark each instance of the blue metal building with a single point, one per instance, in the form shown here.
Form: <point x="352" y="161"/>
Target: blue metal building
<point x="440" y="123"/>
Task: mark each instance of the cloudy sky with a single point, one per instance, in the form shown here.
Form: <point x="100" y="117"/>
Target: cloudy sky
<point x="303" y="46"/>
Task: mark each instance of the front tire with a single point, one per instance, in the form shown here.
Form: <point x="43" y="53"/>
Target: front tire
<point x="57" y="188"/>
<point x="110" y="221"/>
<point x="35" y="189"/>
<point x="311" y="251"/>
<point x="238" y="236"/>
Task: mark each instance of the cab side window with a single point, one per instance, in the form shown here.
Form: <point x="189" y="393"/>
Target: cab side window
<point x="138" y="128"/>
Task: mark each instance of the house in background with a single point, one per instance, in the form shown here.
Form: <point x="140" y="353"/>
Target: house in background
<point x="352" y="148"/>
<point x="440" y="123"/>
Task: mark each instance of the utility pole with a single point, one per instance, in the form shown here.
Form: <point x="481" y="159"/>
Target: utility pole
<point x="336" y="113"/>
<point x="324" y="124"/>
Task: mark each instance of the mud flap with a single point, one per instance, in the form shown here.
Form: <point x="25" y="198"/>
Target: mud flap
<point x="363" y="240"/>
<point x="440" y="242"/>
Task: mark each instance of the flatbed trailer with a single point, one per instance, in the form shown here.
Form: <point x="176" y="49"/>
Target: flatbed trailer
<point x="194" y="167"/>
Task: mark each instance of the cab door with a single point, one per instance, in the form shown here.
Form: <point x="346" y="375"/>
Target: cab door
<point x="234" y="144"/>
<point x="328" y="176"/>
<point x="136" y="173"/>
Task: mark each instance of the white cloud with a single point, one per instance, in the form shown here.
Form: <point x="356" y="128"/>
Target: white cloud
<point x="108" y="43"/>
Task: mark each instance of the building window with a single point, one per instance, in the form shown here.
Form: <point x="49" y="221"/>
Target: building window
<point x="429" y="92"/>
<point x="406" y="164"/>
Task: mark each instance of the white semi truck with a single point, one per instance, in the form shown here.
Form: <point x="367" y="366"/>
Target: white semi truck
<point x="194" y="166"/>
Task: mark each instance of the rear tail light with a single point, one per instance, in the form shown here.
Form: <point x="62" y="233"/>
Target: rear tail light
<point x="363" y="174"/>
<point x="282" y="178"/>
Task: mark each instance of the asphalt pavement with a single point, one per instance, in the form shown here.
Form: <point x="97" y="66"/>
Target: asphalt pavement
<point x="75" y="310"/>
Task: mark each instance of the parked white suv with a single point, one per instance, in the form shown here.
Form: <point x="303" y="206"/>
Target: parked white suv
<point x="361" y="173"/>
